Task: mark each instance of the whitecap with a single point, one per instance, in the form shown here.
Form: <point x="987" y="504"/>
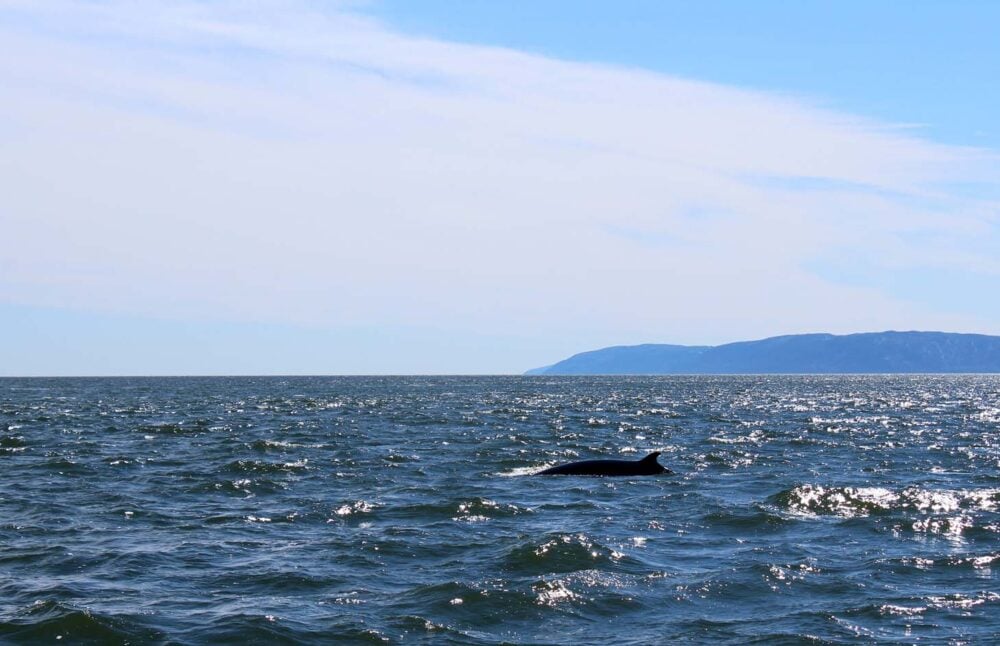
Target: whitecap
<point x="905" y="611"/>
<point x="357" y="507"/>
<point x="551" y="593"/>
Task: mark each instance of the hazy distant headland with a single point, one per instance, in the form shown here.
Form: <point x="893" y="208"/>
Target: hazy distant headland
<point x="873" y="352"/>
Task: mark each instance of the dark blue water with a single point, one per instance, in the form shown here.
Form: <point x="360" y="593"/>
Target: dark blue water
<point x="370" y="510"/>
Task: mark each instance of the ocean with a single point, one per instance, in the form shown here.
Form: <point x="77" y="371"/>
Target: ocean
<point x="368" y="510"/>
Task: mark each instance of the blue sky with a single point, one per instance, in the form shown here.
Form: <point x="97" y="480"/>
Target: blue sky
<point x="297" y="187"/>
<point x="925" y="64"/>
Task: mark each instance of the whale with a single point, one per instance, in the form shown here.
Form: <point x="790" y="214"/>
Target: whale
<point x="648" y="466"/>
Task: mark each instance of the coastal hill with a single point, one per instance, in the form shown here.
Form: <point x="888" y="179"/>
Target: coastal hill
<point x="873" y="352"/>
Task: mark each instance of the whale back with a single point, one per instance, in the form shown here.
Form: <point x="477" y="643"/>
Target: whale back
<point x="647" y="466"/>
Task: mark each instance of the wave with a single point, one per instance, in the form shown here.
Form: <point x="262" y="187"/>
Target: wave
<point x="123" y="461"/>
<point x="36" y="555"/>
<point x="479" y="509"/>
<point x="272" y="581"/>
<point x="192" y="427"/>
<point x="499" y="601"/>
<point x="356" y="507"/>
<point x="241" y="487"/>
<point x="471" y="510"/>
<point x="484" y="605"/>
<point x="51" y="621"/>
<point x="907" y="564"/>
<point x="12" y="444"/>
<point x="863" y="501"/>
<point x="264" y="446"/>
<point x="246" y="628"/>
<point x="921" y="606"/>
<point x="260" y="466"/>
<point x="66" y="466"/>
<point x="439" y="632"/>
<point x="560" y="553"/>
<point x="746" y="519"/>
<point x="523" y="471"/>
<point x="755" y="436"/>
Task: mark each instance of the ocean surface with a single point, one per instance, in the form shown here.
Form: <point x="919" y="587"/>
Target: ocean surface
<point x="845" y="509"/>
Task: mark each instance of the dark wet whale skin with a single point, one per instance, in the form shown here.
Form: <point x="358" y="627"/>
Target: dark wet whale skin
<point x="648" y="466"/>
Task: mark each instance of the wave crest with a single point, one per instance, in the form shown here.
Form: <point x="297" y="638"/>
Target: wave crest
<point x="863" y="501"/>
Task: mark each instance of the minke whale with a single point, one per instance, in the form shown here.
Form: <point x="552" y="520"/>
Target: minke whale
<point x="648" y="466"/>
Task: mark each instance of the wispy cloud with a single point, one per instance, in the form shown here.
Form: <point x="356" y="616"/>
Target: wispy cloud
<point x="296" y="163"/>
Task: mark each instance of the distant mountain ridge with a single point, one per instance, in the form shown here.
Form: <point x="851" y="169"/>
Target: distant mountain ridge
<point x="868" y="352"/>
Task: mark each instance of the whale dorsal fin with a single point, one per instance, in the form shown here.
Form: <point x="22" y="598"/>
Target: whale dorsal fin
<point x="651" y="457"/>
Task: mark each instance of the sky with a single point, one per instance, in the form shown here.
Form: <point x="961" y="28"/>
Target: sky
<point x="432" y="187"/>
